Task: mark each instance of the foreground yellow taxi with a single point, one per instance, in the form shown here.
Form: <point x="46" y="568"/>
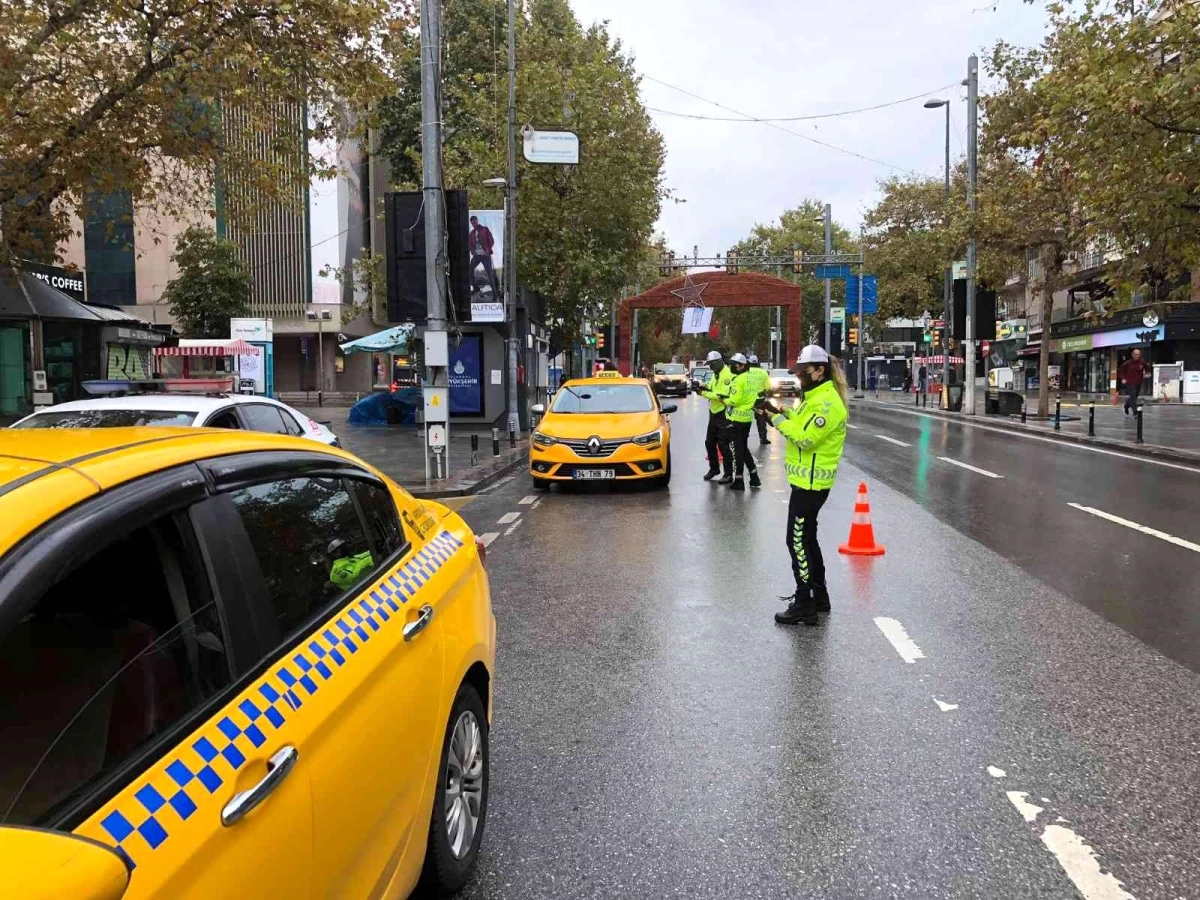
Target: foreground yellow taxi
<point x="606" y="428"/>
<point x="234" y="665"/>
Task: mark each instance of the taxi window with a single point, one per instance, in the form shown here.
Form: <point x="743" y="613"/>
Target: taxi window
<point x="603" y="398"/>
<point x="383" y="525"/>
<point x="309" y="541"/>
<point x="106" y="661"/>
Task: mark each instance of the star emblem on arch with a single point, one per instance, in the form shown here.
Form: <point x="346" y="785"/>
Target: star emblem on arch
<point x="691" y="292"/>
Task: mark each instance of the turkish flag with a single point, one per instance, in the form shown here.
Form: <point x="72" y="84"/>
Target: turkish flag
<point x="714" y="331"/>
<point x="658" y="329"/>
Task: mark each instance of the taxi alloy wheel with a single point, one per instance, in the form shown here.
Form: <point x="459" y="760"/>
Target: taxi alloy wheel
<point x="460" y="803"/>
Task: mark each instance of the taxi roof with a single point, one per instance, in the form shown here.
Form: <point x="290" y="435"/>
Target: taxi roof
<point x="608" y="379"/>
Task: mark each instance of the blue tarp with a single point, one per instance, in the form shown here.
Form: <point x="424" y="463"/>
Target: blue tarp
<point x="373" y="410"/>
<point x="390" y="340"/>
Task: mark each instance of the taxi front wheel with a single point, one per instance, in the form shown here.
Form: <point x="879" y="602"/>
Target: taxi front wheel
<point x="460" y="803"/>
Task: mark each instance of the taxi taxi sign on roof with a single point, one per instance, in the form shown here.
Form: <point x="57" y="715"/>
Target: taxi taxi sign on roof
<point x="608" y="373"/>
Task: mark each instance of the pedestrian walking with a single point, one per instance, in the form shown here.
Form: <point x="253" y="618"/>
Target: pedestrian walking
<point x="763" y="377"/>
<point x="743" y="395"/>
<point x="1132" y="373"/>
<point x="815" y="433"/>
<point x="716" y="439"/>
<point x="922" y="378"/>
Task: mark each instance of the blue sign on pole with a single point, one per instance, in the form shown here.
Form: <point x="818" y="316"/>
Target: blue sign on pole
<point x="870" y="295"/>
<point x="466" y="377"/>
<point x="839" y="271"/>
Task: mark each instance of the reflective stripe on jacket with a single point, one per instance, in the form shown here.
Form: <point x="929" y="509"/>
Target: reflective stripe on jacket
<point x="717" y="390"/>
<point x="816" y="434"/>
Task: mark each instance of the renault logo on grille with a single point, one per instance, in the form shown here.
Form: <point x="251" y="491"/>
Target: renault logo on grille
<point x="593" y="445"/>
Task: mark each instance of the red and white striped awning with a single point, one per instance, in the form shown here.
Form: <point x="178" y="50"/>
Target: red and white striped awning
<point x="228" y="348"/>
<point x="938" y="360"/>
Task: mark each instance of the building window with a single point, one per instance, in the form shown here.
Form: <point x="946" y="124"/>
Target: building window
<point x="108" y="249"/>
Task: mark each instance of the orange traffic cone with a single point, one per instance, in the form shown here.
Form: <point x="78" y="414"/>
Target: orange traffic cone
<point x="862" y="534"/>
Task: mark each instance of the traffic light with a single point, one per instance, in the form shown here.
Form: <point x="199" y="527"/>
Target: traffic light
<point x="664" y="264"/>
<point x="927" y="339"/>
<point x="599" y="340"/>
<point x="852" y="340"/>
<point x="937" y="338"/>
<point x="731" y="262"/>
<point x="797" y="261"/>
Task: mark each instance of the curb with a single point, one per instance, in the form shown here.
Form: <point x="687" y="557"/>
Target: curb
<point x="467" y="488"/>
<point x="1152" y="451"/>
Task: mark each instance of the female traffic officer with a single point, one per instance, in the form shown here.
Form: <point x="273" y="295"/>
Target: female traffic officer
<point x="815" y="432"/>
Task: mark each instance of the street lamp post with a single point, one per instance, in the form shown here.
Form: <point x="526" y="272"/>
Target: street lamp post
<point x="948" y="275"/>
<point x="320" y="317"/>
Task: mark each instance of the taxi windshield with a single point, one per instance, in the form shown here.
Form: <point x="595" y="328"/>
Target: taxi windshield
<point x="603" y="398"/>
<point x="670" y="369"/>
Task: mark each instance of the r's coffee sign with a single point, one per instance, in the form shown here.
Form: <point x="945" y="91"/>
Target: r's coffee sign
<point x="70" y="283"/>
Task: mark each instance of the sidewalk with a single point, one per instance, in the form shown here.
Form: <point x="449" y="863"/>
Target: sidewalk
<point x="1170" y="430"/>
<point x="396" y="450"/>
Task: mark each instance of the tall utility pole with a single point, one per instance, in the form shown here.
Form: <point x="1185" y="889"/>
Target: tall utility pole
<point x="972" y="250"/>
<point x="948" y="275"/>
<point x="510" y="228"/>
<point x="431" y="168"/>
<point x="828" y="282"/>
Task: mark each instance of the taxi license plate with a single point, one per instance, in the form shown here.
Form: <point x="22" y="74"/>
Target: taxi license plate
<point x="587" y="474"/>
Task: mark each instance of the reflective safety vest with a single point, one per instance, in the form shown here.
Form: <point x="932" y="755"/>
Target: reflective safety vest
<point x="761" y="377"/>
<point x="717" y="390"/>
<point x="815" y="432"/>
<point x="742" y="397"/>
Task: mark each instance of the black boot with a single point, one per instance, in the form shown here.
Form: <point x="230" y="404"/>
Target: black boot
<point x="821" y="598"/>
<point x="737" y="485"/>
<point x="711" y="474"/>
<point x="726" y="479"/>
<point x="754" y="482"/>
<point x="799" y="612"/>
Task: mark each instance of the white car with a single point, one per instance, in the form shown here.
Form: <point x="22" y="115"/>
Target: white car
<point x="246" y="412"/>
<point x="783" y="382"/>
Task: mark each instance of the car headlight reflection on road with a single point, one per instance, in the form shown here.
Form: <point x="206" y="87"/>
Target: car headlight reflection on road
<point x="646" y="440"/>
<point x="544" y="439"/>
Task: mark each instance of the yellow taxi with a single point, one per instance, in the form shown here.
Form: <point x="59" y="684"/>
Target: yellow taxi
<point x="605" y="428"/>
<point x="234" y="665"/>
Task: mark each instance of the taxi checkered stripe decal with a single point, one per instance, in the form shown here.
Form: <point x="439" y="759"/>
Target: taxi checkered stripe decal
<point x="199" y="770"/>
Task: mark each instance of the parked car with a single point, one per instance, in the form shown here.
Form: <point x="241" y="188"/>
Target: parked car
<point x="671" y="378"/>
<point x="236" y="411"/>
<point x="236" y="665"/>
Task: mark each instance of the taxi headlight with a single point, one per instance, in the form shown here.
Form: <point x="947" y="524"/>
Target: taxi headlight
<point x="544" y="439"/>
<point x="645" y="440"/>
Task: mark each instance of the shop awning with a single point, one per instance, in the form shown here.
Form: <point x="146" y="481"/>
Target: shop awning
<point x="390" y="340"/>
<point x="938" y="360"/>
<point x="221" y="348"/>
<point x="27" y="297"/>
<point x="1035" y="350"/>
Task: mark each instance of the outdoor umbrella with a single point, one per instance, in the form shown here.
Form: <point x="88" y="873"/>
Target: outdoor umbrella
<point x="391" y="340"/>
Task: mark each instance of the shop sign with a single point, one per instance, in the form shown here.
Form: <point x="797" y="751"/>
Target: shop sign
<point x="487" y="312"/>
<point x="1072" y="344"/>
<point x="556" y="147"/>
<point x="251" y="330"/>
<point x="1101" y="339"/>
<point x="466" y="377"/>
<point x="70" y="283"/>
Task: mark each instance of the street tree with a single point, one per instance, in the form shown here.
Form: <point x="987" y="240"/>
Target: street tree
<point x="212" y="287"/>
<point x="99" y="96"/>
<point x="582" y="231"/>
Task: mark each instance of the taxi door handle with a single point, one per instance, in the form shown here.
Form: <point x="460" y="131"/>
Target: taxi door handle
<point x="278" y="767"/>
<point x="419" y="624"/>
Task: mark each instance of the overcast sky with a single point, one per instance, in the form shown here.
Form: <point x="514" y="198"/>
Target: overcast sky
<point x="776" y="58"/>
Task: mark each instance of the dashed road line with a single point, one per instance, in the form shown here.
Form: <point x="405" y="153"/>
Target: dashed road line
<point x="508" y="517"/>
<point x="855" y="427"/>
<point x="975" y="469"/>
<point x="996" y="771"/>
<point x="497" y="484"/>
<point x="528" y="499"/>
<point x="511" y="528"/>
<point x="892" y="440"/>
<point x="1144" y="529"/>
<point x="945" y="707"/>
<point x="489" y="537"/>
<point x="899" y="638"/>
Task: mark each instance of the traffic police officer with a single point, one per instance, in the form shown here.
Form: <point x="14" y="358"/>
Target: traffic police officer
<point x="740" y="412"/>
<point x="716" y="392"/>
<point x="763" y="377"/>
<point x="815" y="432"/>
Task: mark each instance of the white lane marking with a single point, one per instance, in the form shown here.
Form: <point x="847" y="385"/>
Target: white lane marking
<point x="511" y="528"/>
<point x="955" y="462"/>
<point x="527" y="499"/>
<point x="892" y="440"/>
<point x="489" y="537"/>
<point x="895" y="633"/>
<point x="536" y="503"/>
<point x="1045" y="440"/>
<point x="503" y="481"/>
<point x="855" y="427"/>
<point x="1081" y="865"/>
<point x="508" y="517"/>
<point x="1144" y="529"/>
<point x="945" y="707"/>
<point x="996" y="772"/>
<point x="1020" y="799"/>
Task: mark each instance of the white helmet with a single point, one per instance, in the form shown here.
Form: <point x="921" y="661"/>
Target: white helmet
<point x="753" y="359"/>
<point x="738" y="358"/>
<point x="713" y="356"/>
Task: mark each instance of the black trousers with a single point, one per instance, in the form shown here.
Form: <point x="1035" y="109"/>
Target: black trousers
<point x="808" y="565"/>
<point x="762" y="428"/>
<point x="717" y="437"/>
<point x="741" y="449"/>
<point x="1131" y="397"/>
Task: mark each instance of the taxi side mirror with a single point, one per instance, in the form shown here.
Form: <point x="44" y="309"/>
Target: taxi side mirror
<point x="49" y="865"/>
<point x="668" y="409"/>
<point x="539" y="408"/>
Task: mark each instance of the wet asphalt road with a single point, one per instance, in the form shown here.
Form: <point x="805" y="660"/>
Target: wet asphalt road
<point x="656" y="735"/>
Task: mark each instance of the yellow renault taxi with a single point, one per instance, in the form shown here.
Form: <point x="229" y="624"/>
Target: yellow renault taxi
<point x="605" y="428"/>
<point x="234" y="664"/>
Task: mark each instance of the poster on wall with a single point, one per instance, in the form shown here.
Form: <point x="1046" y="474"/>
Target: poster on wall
<point x="466" y="376"/>
<point x="485" y="244"/>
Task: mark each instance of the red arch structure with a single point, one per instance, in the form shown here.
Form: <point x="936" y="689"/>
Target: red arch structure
<point x="721" y="290"/>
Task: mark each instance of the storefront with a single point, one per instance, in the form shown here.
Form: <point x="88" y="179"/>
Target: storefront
<point x="1091" y="360"/>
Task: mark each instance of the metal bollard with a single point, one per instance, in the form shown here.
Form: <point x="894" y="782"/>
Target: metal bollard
<point x="925" y="399"/>
<point x="917" y="397"/>
<point x="474" y="450"/>
<point x="512" y="439"/>
<point x="495" y="442"/>
<point x="1139" y="423"/>
<point x="1024" y="409"/>
<point x="1091" y="420"/>
<point x="1058" y="414"/>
